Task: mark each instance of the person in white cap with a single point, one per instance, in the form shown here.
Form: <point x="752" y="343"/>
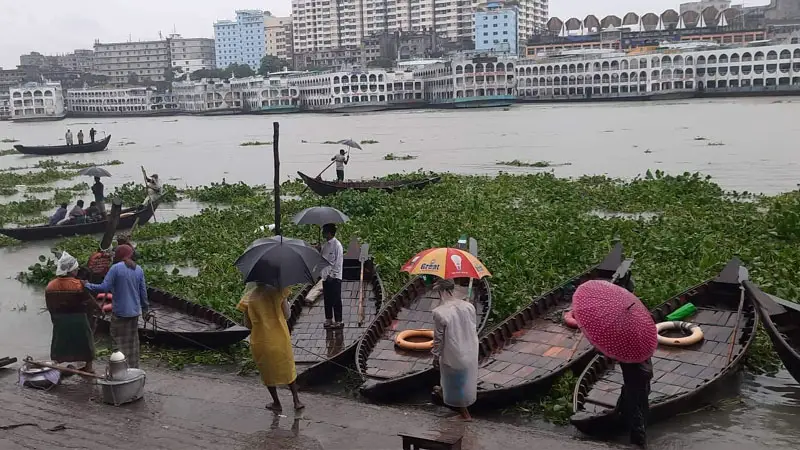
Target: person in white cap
<point x="70" y="307"/>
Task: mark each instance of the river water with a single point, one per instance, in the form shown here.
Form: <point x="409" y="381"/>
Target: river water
<point x="757" y="153"/>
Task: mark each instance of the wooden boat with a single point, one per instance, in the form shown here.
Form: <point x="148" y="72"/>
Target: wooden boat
<point x="127" y="218"/>
<point x="683" y="376"/>
<point x="7" y="360"/>
<point x="522" y="356"/>
<point x="390" y="373"/>
<point x="781" y="320"/>
<point x="320" y="353"/>
<point x="323" y="188"/>
<point x="55" y="150"/>
<point x="181" y="323"/>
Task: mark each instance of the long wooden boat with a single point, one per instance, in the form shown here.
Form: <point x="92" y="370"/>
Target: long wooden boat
<point x="683" y="376"/>
<point x="781" y="320"/>
<point x="184" y="324"/>
<point x="127" y="218"/>
<point x="55" y="150"/>
<point x="7" y="360"/>
<point x="522" y="356"/>
<point x="323" y="188"/>
<point x="390" y="373"/>
<point x="320" y="353"/>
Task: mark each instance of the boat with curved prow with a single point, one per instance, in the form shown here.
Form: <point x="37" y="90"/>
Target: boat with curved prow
<point x="184" y="324"/>
<point x="390" y="373"/>
<point x="781" y="320"/>
<point x="323" y="188"/>
<point x="141" y="214"/>
<point x="320" y="353"/>
<point x="682" y="376"/>
<point x="525" y="354"/>
<point x="55" y="150"/>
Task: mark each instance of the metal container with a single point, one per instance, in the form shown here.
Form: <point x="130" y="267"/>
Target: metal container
<point x="124" y="388"/>
<point x="117" y="366"/>
<point x="38" y="377"/>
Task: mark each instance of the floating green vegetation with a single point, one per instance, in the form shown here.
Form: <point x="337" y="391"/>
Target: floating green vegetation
<point x="7" y="190"/>
<point x="368" y="141"/>
<point x="555" y="406"/>
<point x="15" y="212"/>
<point x="9" y="151"/>
<point x="224" y="193"/>
<point x="715" y="144"/>
<point x="254" y="143"/>
<point x="132" y="193"/>
<point x="700" y="138"/>
<point x="518" y="163"/>
<point x="35" y="178"/>
<point x="8" y="141"/>
<point x="39" y="189"/>
<point x="62" y="165"/>
<point x="329" y="142"/>
<point x="393" y="157"/>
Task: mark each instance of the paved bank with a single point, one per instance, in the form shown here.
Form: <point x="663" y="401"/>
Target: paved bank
<point x="191" y="411"/>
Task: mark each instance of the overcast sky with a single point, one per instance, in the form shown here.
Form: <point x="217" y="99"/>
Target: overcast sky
<point x="60" y="26"/>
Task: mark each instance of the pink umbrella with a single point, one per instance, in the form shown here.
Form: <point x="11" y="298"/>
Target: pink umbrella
<point x="615" y="321"/>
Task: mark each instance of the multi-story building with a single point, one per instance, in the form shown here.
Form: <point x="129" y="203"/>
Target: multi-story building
<point x="81" y="60"/>
<point x="37" y="101"/>
<point x="191" y="54"/>
<point x="205" y="97"/>
<point x="469" y="81"/>
<point x="123" y="62"/>
<point x="5" y="105"/>
<point x="496" y="28"/>
<point x="10" y="77"/>
<point x="278" y="36"/>
<point x="332" y="58"/>
<point x="118" y="102"/>
<point x="240" y="41"/>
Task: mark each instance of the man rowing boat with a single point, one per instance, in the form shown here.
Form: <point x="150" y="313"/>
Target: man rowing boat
<point x="340" y="160"/>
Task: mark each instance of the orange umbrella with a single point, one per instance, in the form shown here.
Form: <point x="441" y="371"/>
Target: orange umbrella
<point x="447" y="263"/>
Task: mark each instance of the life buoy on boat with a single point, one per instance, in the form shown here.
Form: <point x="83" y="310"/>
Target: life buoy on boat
<point x="569" y="320"/>
<point x="693" y="331"/>
<point x="402" y="340"/>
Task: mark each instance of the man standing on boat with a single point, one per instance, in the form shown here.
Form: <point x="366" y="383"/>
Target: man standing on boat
<point x="332" y="277"/>
<point x="92" y="132"/>
<point x="97" y="190"/>
<point x="153" y="189"/>
<point x="80" y="137"/>
<point x="341" y="159"/>
<point x="68" y="137"/>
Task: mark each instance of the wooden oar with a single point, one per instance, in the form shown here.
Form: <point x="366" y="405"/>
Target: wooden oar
<point x="362" y="257"/>
<point x="743" y="275"/>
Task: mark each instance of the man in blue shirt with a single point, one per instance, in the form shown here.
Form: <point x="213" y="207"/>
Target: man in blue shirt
<point x="125" y="280"/>
<point x="60" y="214"/>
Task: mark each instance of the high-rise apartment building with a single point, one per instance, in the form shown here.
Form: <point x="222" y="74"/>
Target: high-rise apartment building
<point x="278" y="36"/>
<point x="323" y="25"/>
<point x="122" y="61"/>
<point x="496" y="28"/>
<point x="240" y="41"/>
<point x="191" y="54"/>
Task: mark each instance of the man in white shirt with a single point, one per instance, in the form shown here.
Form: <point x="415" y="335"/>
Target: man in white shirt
<point x="332" y="277"/>
<point x="341" y="160"/>
<point x="68" y="137"/>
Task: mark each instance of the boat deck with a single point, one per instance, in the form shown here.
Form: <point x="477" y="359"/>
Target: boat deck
<point x="678" y="370"/>
<point x="171" y="319"/>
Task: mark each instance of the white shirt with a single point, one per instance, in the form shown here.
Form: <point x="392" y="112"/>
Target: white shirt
<point x="333" y="253"/>
<point x="340" y="159"/>
<point x="455" y="338"/>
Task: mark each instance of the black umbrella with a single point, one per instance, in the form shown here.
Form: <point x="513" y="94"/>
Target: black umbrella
<point x="280" y="262"/>
<point x="95" y="172"/>
<point x="320" y="215"/>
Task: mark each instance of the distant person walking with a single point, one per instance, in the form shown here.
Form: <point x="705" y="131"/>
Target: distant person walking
<point x="92" y="133"/>
<point x="68" y="137"/>
<point x="341" y="160"/>
<point x="80" y="137"/>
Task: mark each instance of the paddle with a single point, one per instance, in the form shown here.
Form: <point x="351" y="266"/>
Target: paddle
<point x="473" y="250"/>
<point x="743" y="276"/>
<point x="362" y="257"/>
<point x="148" y="195"/>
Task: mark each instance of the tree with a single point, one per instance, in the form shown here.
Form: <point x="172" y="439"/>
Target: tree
<point x="207" y="73"/>
<point x="385" y="63"/>
<point x="271" y="63"/>
<point x="239" y="71"/>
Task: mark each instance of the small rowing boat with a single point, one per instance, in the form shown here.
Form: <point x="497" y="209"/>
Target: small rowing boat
<point x="55" y="150"/>
<point x="682" y="376"/>
<point x="781" y="320"/>
<point x="323" y="188"/>
<point x="318" y="352"/>
<point x="141" y="214"/>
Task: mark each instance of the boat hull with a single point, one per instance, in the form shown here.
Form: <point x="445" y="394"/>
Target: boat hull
<point x="780" y="319"/>
<point x="100" y="115"/>
<point x="126" y="221"/>
<point x="90" y="147"/>
<point x="323" y="188"/>
<point x="488" y="101"/>
<point x="38" y="119"/>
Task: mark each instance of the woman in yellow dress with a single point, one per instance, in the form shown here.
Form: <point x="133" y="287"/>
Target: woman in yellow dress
<point x="265" y="312"/>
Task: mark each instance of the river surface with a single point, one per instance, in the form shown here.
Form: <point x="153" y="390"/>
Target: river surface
<point x="758" y="153"/>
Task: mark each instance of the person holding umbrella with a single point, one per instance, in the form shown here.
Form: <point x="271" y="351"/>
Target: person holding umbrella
<point x="269" y="266"/>
<point x="333" y="253"/>
<point x="97" y="190"/>
<point x="341" y="160"/>
<point x="621" y="327"/>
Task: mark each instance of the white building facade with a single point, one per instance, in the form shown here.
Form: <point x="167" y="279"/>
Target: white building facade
<point x="37" y="101"/>
<point x="240" y="41"/>
<point x="192" y="54"/>
<point x="146" y="60"/>
<point x="278" y="36"/>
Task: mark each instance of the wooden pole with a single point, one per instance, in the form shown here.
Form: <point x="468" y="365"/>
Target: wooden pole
<point x="64" y="369"/>
<point x="113" y="221"/>
<point x="277" y="187"/>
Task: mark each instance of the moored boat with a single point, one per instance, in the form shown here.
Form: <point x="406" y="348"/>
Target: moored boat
<point x="522" y="356"/>
<point x="182" y="323"/>
<point x="390" y="373"/>
<point x="323" y="188"/>
<point x="682" y="376"/>
<point x="318" y="352"/>
<point x="141" y="214"/>
<point x="781" y="320"/>
<point x="54" y="150"/>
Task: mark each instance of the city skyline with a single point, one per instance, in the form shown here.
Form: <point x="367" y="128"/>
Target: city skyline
<point x="56" y="27"/>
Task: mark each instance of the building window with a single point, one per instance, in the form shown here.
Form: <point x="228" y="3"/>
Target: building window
<point x="485" y="42"/>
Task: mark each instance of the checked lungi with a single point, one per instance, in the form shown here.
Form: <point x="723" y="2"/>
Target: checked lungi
<point x="125" y="338"/>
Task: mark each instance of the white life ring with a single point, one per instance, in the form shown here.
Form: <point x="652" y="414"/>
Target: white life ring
<point x="695" y="334"/>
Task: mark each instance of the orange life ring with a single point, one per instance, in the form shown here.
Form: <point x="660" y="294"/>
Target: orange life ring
<point x="569" y="320"/>
<point x="694" y="332"/>
<point x="402" y="340"/>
